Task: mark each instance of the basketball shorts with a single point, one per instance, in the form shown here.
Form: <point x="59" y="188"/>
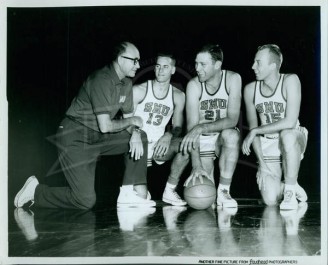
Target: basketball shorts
<point x="151" y="149"/>
<point x="271" y="148"/>
<point x="208" y="146"/>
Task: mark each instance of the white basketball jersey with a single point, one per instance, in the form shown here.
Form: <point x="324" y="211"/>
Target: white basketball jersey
<point x="214" y="106"/>
<point x="271" y="108"/>
<point x="155" y="112"/>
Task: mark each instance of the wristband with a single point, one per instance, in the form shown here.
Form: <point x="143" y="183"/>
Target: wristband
<point x="176" y="131"/>
<point x="137" y="129"/>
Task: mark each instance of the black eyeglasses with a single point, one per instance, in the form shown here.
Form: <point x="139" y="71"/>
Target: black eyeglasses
<point x="135" y="60"/>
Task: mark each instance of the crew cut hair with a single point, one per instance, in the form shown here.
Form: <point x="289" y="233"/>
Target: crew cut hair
<point x="214" y="50"/>
<point x="275" y="53"/>
<point x="168" y="55"/>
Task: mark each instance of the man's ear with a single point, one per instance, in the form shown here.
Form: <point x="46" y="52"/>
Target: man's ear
<point x="173" y="70"/>
<point x="217" y="64"/>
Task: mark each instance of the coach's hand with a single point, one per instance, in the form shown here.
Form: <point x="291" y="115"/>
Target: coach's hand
<point x="137" y="121"/>
<point x="136" y="148"/>
<point x="197" y="172"/>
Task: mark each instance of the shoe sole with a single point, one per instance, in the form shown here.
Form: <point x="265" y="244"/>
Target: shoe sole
<point x="28" y="181"/>
<point x="226" y="205"/>
<point x="173" y="203"/>
<point x="301" y="198"/>
<point x="135" y="205"/>
<point x="289" y="207"/>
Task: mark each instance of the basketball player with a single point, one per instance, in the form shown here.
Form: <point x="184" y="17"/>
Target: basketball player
<point x="88" y="131"/>
<point x="156" y="101"/>
<point x="276" y="99"/>
<point x="213" y="107"/>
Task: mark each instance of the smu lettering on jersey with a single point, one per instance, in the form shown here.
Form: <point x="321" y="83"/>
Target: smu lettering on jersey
<point x="271" y="108"/>
<point x="214" y="106"/>
<point x="155" y="112"/>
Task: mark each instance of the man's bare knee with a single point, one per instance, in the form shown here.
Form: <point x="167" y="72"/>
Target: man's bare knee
<point x="270" y="199"/>
<point x="288" y="140"/>
<point x="230" y="136"/>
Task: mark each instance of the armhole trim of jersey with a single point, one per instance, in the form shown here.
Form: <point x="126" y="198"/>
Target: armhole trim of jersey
<point x="201" y="90"/>
<point x="225" y="81"/>
<point x="145" y="94"/>
<point x="255" y="86"/>
<point x="282" y="87"/>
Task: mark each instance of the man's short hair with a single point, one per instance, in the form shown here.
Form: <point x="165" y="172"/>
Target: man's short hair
<point x="214" y="50"/>
<point x="168" y="55"/>
<point x="119" y="49"/>
<point x="275" y="53"/>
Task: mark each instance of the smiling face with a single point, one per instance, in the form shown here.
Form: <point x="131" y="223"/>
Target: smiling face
<point x="164" y="69"/>
<point x="129" y="61"/>
<point x="205" y="67"/>
<point x="263" y="66"/>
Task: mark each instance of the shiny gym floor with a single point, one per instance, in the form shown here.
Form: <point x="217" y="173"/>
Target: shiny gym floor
<point x="252" y="230"/>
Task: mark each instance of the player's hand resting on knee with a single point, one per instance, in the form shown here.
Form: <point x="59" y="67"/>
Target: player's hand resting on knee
<point x="191" y="140"/>
<point x="246" y="147"/>
<point x="162" y="145"/>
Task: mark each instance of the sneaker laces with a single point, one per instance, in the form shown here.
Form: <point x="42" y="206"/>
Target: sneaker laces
<point x="176" y="195"/>
<point x="226" y="194"/>
<point x="28" y="199"/>
<point x="288" y="196"/>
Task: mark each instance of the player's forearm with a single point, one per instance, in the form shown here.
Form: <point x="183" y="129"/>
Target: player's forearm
<point x="174" y="131"/>
<point x="258" y="150"/>
<point x="118" y="125"/>
<point x="275" y="127"/>
<point x="218" y="125"/>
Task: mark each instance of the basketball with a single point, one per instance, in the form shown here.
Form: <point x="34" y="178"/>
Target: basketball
<point x="200" y="196"/>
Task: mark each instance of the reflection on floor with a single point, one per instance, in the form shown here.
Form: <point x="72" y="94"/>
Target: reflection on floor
<point x="252" y="230"/>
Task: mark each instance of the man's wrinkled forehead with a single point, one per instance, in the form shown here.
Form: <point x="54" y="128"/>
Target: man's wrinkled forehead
<point x="203" y="56"/>
<point x="163" y="60"/>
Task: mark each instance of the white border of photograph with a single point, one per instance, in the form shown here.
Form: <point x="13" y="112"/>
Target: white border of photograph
<point x="307" y="260"/>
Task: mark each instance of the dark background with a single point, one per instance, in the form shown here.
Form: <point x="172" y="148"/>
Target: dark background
<point x="52" y="50"/>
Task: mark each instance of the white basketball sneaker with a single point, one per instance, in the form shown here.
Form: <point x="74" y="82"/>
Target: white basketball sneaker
<point x="224" y="199"/>
<point x="26" y="193"/>
<point x="224" y="217"/>
<point x="171" y="214"/>
<point x="132" y="218"/>
<point x="172" y="197"/>
<point x="289" y="202"/>
<point x="300" y="194"/>
<point x="25" y="221"/>
<point x="292" y="218"/>
<point x="130" y="198"/>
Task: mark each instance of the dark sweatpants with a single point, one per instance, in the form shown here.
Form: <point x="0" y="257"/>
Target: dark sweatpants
<point x="78" y="150"/>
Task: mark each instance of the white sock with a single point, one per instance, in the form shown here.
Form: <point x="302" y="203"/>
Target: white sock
<point x="127" y="187"/>
<point x="170" y="186"/>
<point x="223" y="187"/>
<point x="290" y="187"/>
<point x="297" y="186"/>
